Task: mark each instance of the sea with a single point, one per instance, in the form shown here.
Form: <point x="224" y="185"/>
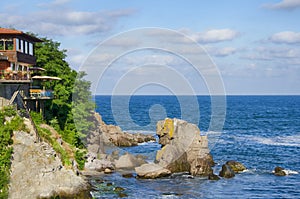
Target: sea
<point x="261" y="132"/>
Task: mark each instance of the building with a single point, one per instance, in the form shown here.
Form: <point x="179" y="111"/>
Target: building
<point x="17" y="65"/>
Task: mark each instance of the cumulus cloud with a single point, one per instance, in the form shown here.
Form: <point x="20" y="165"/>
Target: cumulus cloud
<point x="213" y="35"/>
<point x="287" y="37"/>
<point x="66" y="22"/>
<point x="284" y="5"/>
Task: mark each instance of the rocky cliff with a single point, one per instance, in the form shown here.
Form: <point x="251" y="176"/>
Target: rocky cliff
<point x="37" y="171"/>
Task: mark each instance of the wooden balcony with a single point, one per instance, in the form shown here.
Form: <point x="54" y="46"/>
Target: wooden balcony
<point x="15" y="77"/>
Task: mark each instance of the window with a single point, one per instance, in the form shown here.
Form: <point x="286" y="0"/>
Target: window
<point x="30" y="49"/>
<point x="13" y="66"/>
<point x="9" y="44"/>
<point x="21" y="44"/>
<point x="26" y="47"/>
<point x="1" y="45"/>
<point x="17" y="44"/>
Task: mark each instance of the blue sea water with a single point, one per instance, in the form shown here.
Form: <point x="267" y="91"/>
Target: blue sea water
<point x="262" y="132"/>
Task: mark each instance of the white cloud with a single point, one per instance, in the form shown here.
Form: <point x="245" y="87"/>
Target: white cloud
<point x="220" y="52"/>
<point x="213" y="35"/>
<point x="287" y="37"/>
<point x="284" y="5"/>
<point x="65" y="22"/>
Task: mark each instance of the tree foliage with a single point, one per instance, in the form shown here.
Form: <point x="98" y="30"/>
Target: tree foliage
<point x="72" y="101"/>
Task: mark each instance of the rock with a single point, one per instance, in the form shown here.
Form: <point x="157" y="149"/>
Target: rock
<point x="118" y="189"/>
<point x="237" y="167"/>
<point x="213" y="177"/>
<point x="279" y="171"/>
<point x="95" y="164"/>
<point x="151" y="171"/>
<point x="226" y="172"/>
<point x="127" y="175"/>
<point x="122" y="195"/>
<point x="39" y="172"/>
<point x="183" y="148"/>
<point x="201" y="166"/>
<point x="108" y="171"/>
<point x="128" y="161"/>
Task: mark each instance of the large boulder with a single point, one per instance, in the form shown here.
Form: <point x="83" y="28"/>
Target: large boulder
<point x="237" y="167"/>
<point x="183" y="148"/>
<point x="226" y="172"/>
<point x="151" y="171"/>
<point x="128" y="161"/>
<point x="95" y="164"/>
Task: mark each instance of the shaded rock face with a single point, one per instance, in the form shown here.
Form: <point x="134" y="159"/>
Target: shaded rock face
<point x="237" y="167"/>
<point x="151" y="171"/>
<point x="226" y="172"/>
<point x="279" y="171"/>
<point x="183" y="148"/>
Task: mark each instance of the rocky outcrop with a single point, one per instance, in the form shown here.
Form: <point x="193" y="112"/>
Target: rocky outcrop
<point x="279" y="171"/>
<point x="226" y="171"/>
<point x="105" y="134"/>
<point x="37" y="172"/>
<point x="237" y="167"/>
<point x="183" y="148"/>
<point x="95" y="164"/>
<point x="128" y="161"/>
<point x="151" y="171"/>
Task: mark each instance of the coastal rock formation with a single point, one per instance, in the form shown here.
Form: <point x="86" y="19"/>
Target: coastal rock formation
<point x="37" y="172"/>
<point x="226" y="171"/>
<point x="279" y="171"/>
<point x="183" y="148"/>
<point x="151" y="171"/>
<point x="128" y="161"/>
<point x="92" y="163"/>
<point x="237" y="167"/>
<point x="105" y="134"/>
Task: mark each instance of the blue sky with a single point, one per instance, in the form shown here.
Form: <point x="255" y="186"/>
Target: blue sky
<point x="254" y="44"/>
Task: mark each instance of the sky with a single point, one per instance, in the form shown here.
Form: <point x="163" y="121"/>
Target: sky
<point x="251" y="47"/>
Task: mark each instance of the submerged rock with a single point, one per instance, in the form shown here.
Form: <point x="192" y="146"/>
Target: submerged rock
<point x="183" y="148"/>
<point x="279" y="171"/>
<point x="226" y="172"/>
<point x="237" y="167"/>
<point x="151" y="171"/>
<point x="213" y="177"/>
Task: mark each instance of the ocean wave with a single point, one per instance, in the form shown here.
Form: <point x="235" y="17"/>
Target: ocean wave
<point x="279" y="140"/>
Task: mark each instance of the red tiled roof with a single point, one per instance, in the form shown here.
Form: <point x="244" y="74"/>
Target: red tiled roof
<point x="9" y="31"/>
<point x="6" y="31"/>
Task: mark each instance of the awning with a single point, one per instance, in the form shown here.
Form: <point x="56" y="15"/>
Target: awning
<point x="46" y="78"/>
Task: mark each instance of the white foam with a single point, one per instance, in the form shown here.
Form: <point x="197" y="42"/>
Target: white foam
<point x="290" y="172"/>
<point x="279" y="140"/>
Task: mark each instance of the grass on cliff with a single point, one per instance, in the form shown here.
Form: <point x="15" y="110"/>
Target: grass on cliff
<point x="9" y="122"/>
<point x="66" y="151"/>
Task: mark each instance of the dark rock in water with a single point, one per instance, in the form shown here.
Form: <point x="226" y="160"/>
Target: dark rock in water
<point x="237" y="167"/>
<point x="109" y="184"/>
<point x="118" y="189"/>
<point x="122" y="195"/>
<point x="127" y="175"/>
<point x="226" y="172"/>
<point x="213" y="177"/>
<point x="279" y="171"/>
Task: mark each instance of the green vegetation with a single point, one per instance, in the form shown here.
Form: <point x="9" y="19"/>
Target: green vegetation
<point x="70" y="112"/>
<point x="15" y="123"/>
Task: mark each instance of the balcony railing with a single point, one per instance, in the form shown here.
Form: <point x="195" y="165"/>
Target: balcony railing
<point x="15" y="75"/>
<point x="39" y="93"/>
